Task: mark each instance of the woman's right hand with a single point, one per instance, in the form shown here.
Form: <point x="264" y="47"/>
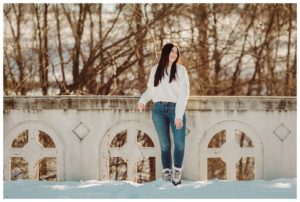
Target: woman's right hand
<point x="141" y="106"/>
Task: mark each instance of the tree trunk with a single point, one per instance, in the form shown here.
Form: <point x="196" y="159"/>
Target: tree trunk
<point x="139" y="41"/>
<point x="62" y="84"/>
<point x="45" y="53"/>
<point x="77" y="47"/>
<point x="201" y="49"/>
<point x="288" y="73"/>
<point x="259" y="62"/>
<point x="235" y="83"/>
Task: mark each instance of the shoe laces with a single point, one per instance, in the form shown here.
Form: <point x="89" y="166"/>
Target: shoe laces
<point x="167" y="174"/>
<point x="177" y="174"/>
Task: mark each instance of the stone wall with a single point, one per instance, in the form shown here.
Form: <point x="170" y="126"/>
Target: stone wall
<point x="89" y="134"/>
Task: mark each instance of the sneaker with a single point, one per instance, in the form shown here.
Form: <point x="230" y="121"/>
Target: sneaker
<point x="167" y="174"/>
<point x="176" y="177"/>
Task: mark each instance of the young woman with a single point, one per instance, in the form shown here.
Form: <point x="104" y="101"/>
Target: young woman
<point x="168" y="87"/>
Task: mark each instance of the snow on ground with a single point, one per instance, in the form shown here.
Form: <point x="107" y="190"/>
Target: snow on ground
<point x="279" y="188"/>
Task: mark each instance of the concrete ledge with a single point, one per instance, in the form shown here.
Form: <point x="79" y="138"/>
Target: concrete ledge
<point x="195" y="103"/>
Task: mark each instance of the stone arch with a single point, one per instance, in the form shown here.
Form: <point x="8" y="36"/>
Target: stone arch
<point x="230" y="152"/>
<point x="130" y="150"/>
<point x="33" y="151"/>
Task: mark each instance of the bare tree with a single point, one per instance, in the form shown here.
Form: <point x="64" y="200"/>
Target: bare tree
<point x="200" y="11"/>
<point x="43" y="46"/>
<point x="18" y="11"/>
<point x="139" y="43"/>
<point x="235" y="78"/>
<point x="288" y="72"/>
<point x="109" y="48"/>
<point x="61" y="84"/>
<point x="259" y="58"/>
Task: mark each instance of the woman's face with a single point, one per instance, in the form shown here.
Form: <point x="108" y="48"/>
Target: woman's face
<point x="173" y="55"/>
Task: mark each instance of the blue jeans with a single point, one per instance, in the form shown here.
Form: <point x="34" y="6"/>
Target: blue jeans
<point x="163" y="116"/>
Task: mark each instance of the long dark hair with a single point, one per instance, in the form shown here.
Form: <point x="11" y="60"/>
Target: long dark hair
<point x="164" y="62"/>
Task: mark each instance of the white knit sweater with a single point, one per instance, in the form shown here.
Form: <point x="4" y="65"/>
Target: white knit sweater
<point x="177" y="91"/>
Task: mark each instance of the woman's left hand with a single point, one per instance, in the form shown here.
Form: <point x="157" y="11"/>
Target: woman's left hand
<point x="178" y="123"/>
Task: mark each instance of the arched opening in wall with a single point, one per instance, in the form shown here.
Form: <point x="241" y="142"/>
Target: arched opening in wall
<point x="218" y="140"/>
<point x="143" y="139"/>
<point x="131" y="156"/>
<point x="117" y="165"/>
<point x="119" y="140"/>
<point x="146" y="170"/>
<point x="117" y="168"/>
<point x="19" y="168"/>
<point x="26" y="149"/>
<point x="245" y="167"/>
<point x="20" y="140"/>
<point x="46" y="140"/>
<point x="47" y="169"/>
<point x="242" y="139"/>
<point x="145" y="167"/>
<point x="18" y="165"/>
<point x="230" y="155"/>
<point x="216" y="168"/>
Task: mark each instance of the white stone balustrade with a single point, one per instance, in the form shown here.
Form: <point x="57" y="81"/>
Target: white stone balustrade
<point x="83" y="127"/>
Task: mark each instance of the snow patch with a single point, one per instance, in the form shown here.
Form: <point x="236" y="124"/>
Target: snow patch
<point x="278" y="188"/>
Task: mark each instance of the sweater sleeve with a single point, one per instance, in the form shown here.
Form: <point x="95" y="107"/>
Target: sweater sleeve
<point x="183" y="95"/>
<point x="147" y="95"/>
